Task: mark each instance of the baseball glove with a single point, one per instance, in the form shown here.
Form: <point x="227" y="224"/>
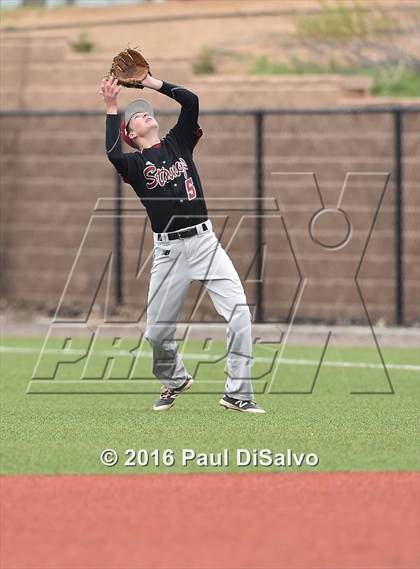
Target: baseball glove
<point x="130" y="68"/>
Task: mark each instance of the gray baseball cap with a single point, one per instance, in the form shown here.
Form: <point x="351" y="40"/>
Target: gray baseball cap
<point x="139" y="106"/>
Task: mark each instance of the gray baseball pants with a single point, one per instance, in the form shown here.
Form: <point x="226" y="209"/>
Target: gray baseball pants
<point x="175" y="265"/>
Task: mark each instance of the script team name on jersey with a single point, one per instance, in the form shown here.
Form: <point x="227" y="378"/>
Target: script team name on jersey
<point x="160" y="176"/>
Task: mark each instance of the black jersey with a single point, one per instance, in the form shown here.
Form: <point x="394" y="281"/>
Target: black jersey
<point x="164" y="176"/>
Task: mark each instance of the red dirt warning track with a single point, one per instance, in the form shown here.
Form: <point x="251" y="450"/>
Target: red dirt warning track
<point x="211" y="521"/>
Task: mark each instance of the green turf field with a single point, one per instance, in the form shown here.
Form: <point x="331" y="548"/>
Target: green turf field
<point x="52" y="426"/>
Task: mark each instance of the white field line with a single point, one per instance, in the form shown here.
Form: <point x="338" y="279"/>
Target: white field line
<point x="192" y="356"/>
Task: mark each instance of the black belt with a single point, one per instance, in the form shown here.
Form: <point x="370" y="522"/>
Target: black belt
<point x="183" y="233"/>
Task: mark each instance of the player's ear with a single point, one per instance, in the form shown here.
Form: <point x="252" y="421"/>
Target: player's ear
<point x="132" y="135"/>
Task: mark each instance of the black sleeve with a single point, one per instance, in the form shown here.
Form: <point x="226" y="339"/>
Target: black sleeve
<point x="115" y="155"/>
<point x="187" y="129"/>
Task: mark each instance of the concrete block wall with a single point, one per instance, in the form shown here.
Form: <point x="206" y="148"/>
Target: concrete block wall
<point x="54" y="171"/>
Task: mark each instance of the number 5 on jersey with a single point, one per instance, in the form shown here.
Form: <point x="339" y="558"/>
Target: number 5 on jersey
<point x="190" y="188"/>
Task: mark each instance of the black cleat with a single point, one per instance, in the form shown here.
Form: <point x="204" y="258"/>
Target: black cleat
<point x="239" y="405"/>
<point x="168" y="395"/>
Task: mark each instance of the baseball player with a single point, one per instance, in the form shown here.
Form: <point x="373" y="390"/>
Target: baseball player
<point x="163" y="174"/>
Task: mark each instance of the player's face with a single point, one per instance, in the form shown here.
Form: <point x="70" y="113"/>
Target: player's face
<point x="142" y="123"/>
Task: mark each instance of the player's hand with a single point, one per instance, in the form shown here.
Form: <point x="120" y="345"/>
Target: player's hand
<point x="152" y="82"/>
<point x="110" y="91"/>
<point x="146" y="82"/>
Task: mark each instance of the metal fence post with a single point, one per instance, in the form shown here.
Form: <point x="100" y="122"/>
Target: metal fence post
<point x="259" y="194"/>
<point x="118" y="236"/>
<point x="399" y="227"/>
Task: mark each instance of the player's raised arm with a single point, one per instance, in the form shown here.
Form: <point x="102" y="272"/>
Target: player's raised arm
<point x="110" y="91"/>
<point x="187" y="128"/>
